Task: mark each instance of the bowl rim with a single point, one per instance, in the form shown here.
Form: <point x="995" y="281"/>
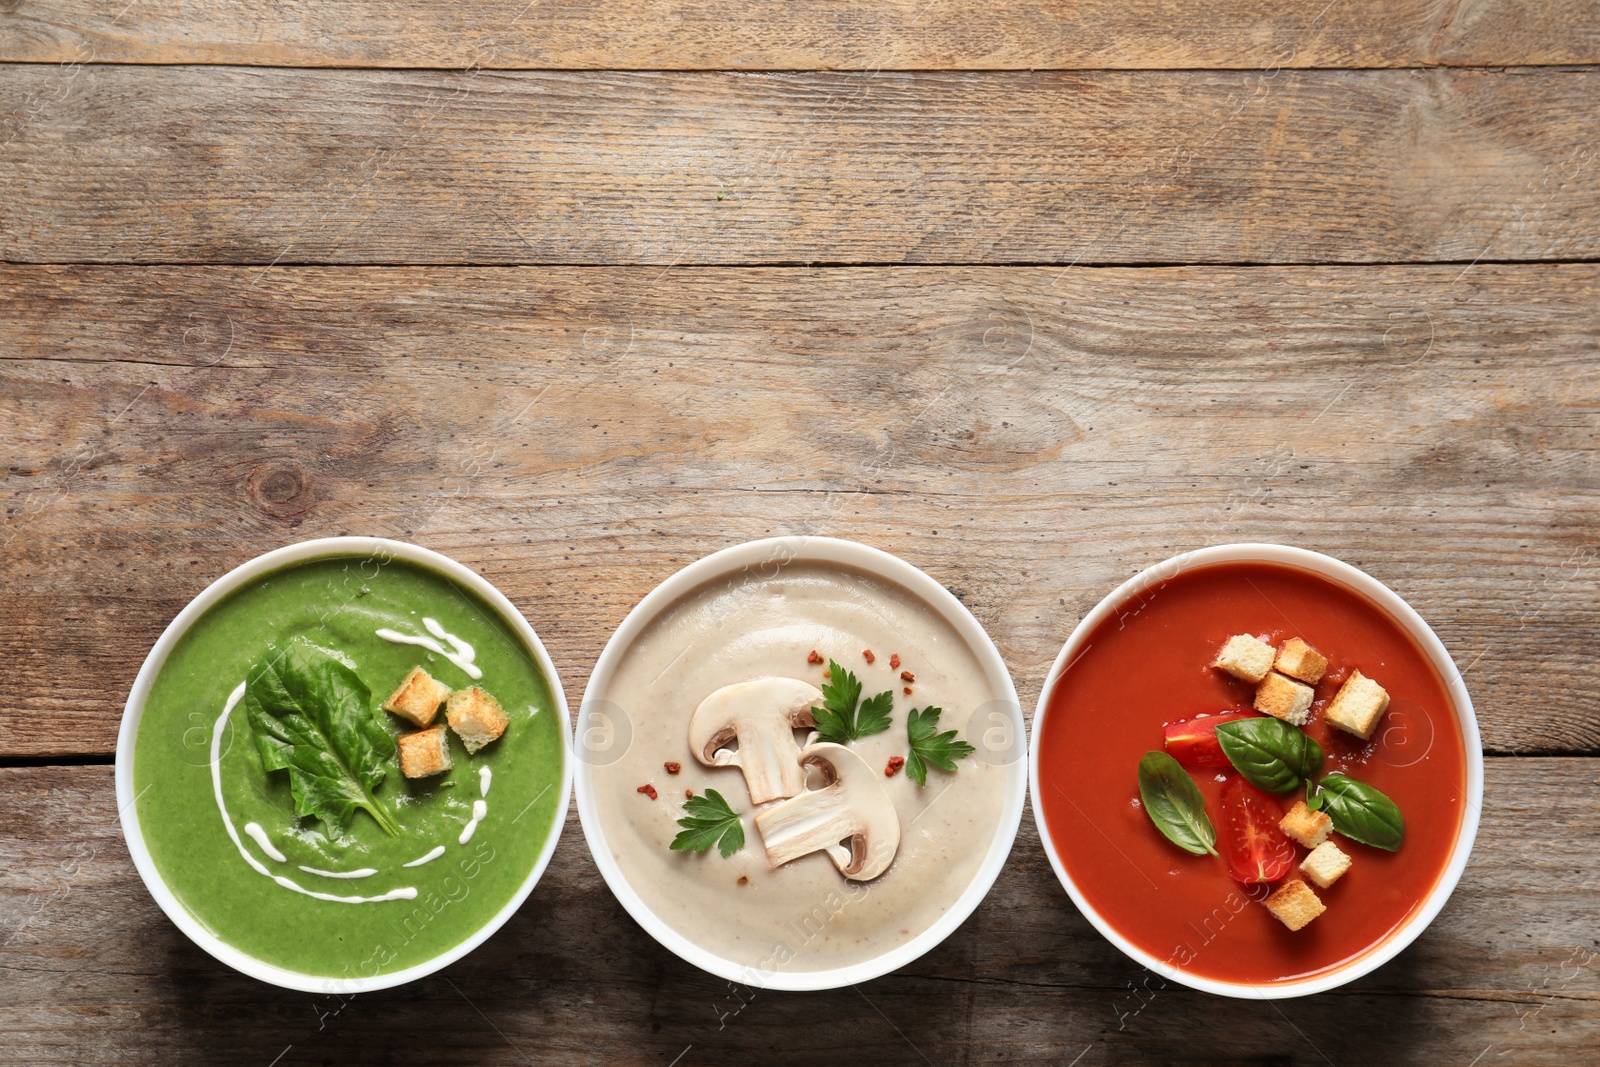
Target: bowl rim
<point x="133" y="714"/>
<point x="778" y="552"/>
<point x="1363" y="584"/>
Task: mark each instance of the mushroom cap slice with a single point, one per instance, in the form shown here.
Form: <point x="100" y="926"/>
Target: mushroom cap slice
<point x="850" y="817"/>
<point x="760" y="716"/>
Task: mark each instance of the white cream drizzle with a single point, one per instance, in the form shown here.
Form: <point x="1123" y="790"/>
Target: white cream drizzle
<point x="365" y="872"/>
<point x="464" y="650"/>
<point x="462" y="656"/>
<point x="402" y="893"/>
<point x="479" y="810"/>
<point x="485" y="776"/>
<point x="259" y="836"/>
<point x="437" y="851"/>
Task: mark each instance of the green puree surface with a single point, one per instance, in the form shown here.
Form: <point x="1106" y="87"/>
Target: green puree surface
<point x="339" y="603"/>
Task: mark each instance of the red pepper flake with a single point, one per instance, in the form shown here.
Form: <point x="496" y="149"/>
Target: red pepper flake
<point x="907" y="690"/>
<point x="648" y="790"/>
<point x="744" y="880"/>
<point x="869" y="656"/>
<point x="814" y="657"/>
<point x="894" y="662"/>
<point x="688" y="794"/>
<point x="673" y="766"/>
<point x="895" y="763"/>
<point x="907" y="676"/>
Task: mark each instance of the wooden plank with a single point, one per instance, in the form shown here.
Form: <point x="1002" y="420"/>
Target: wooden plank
<point x="1031" y="437"/>
<point x="250" y="165"/>
<point x="880" y="35"/>
<point x="95" y="973"/>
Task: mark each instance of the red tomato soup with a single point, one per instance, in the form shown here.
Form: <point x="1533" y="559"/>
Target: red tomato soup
<point x="1148" y="664"/>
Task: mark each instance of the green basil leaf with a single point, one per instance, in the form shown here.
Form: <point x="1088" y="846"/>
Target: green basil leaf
<point x="1175" y="805"/>
<point x="1361" y="812"/>
<point x="1270" y="753"/>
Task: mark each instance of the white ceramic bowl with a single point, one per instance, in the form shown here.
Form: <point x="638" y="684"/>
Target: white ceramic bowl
<point x="382" y="550"/>
<point x="1385" y="598"/>
<point x="767" y="554"/>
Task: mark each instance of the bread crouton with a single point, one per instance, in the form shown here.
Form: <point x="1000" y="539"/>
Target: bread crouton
<point x="1358" y="705"/>
<point x="1284" y="698"/>
<point x="1310" y="828"/>
<point x="1325" y="864"/>
<point x="1245" y="657"/>
<point x="418" y="698"/>
<point x="476" y="717"/>
<point x="1299" y="660"/>
<point x="1294" y="904"/>
<point x="424" y="752"/>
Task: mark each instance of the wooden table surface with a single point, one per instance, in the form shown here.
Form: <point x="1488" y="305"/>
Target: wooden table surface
<point x="1033" y="295"/>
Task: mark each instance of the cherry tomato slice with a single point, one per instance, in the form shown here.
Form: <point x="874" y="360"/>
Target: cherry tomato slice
<point x="1252" y="842"/>
<point x="1193" y="742"/>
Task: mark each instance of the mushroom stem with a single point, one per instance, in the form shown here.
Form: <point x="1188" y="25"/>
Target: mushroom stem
<point x="771" y="762"/>
<point x="850" y="817"/>
<point x="811" y="822"/>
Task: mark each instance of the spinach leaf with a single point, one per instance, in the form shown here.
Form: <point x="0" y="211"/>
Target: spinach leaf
<point x="313" y="717"/>
<point x="1361" y="813"/>
<point x="1175" y="805"/>
<point x="1270" y="753"/>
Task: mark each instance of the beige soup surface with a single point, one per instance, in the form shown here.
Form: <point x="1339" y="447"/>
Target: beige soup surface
<point x="804" y="915"/>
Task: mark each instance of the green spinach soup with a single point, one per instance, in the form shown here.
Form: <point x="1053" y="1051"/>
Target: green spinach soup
<point x="268" y="766"/>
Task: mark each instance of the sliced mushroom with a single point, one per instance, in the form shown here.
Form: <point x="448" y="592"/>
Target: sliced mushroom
<point x="761" y="716"/>
<point x="851" y="806"/>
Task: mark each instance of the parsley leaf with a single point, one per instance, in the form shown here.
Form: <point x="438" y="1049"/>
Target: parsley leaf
<point x="707" y="821"/>
<point x="873" y="715"/>
<point x="312" y="716"/>
<point x="842" y="720"/>
<point x="941" y="750"/>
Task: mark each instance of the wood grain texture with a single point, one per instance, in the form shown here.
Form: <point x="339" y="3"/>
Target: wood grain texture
<point x="94" y="973"/>
<point x="1031" y="437"/>
<point x="832" y="35"/>
<point x="251" y="165"/>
